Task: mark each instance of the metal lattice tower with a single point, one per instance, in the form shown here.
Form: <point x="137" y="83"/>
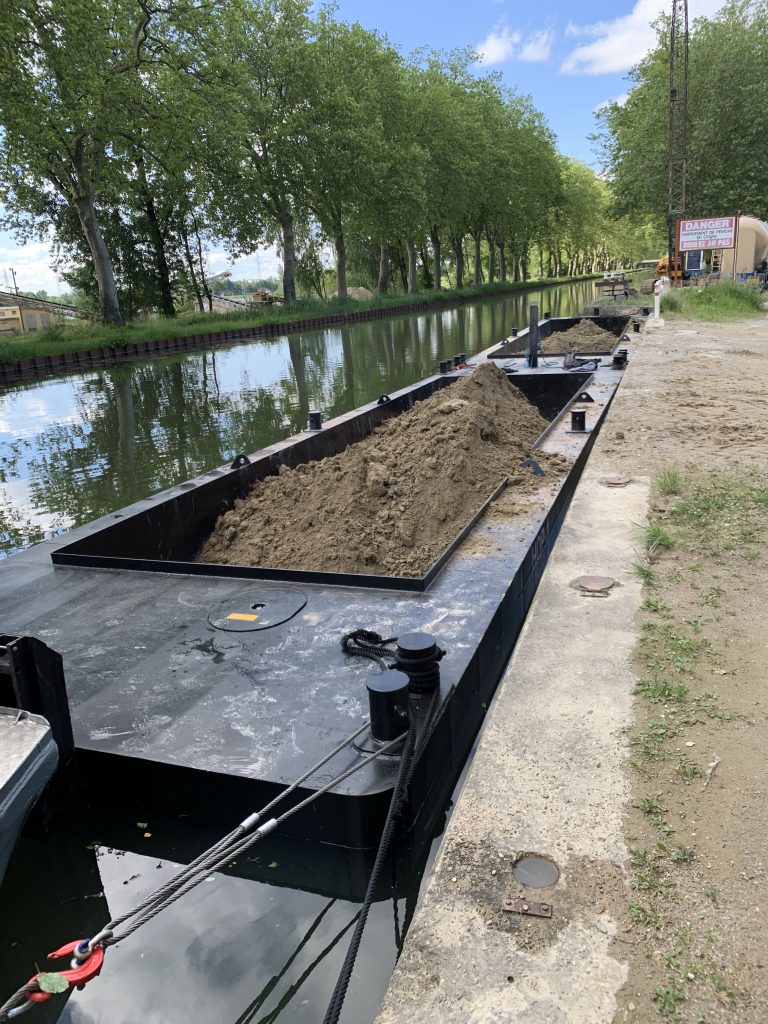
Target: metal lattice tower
<point x="678" y="121"/>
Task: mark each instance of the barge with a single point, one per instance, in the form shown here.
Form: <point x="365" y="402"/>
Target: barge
<point x="175" y="715"/>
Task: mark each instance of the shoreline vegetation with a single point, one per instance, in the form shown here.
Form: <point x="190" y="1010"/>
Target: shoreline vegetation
<point x="205" y="329"/>
<point x="728" y="300"/>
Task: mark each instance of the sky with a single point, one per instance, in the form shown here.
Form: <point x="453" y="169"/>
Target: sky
<point x="570" y="58"/>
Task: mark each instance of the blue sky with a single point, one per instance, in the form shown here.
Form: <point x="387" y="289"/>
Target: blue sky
<point x="569" y="58"/>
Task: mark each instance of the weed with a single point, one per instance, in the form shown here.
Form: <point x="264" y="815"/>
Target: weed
<point x="650" y="806"/>
<point x="648" y="881"/>
<point x="654" y="537"/>
<point x="659" y="691"/>
<point x="705" y="704"/>
<point x="687" y="770"/>
<point x="650" y="741"/>
<point x="668" y="481"/>
<point x="655" y="604"/>
<point x="644" y="573"/>
<point x="674" y="576"/>
<point x="639" y="858"/>
<point x="711" y="894"/>
<point x="667" y="1000"/>
<point x="682" y="854"/>
<point x="672" y="957"/>
<point x="640" y="914"/>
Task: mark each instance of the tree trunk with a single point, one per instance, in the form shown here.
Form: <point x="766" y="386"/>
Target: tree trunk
<point x="161" y="260"/>
<point x="491" y="257"/>
<point x="412" y="281"/>
<point x="191" y="266"/>
<point x="201" y="265"/>
<point x="102" y="263"/>
<point x="383" y="285"/>
<point x="158" y="243"/>
<point x="341" y="264"/>
<point x="402" y="266"/>
<point x="478" y="263"/>
<point x="289" y="256"/>
<point x="502" y="261"/>
<point x="434" y="237"/>
<point x="458" y="248"/>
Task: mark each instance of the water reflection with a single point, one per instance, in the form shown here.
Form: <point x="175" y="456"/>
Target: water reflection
<point x="75" y="448"/>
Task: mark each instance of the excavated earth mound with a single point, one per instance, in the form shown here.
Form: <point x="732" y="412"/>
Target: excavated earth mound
<point x="392" y="503"/>
<point x="585" y="336"/>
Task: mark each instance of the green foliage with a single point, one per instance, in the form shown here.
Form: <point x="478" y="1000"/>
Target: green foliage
<point x="161" y="131"/>
<point x="727" y="146"/>
<point x="718" y="301"/>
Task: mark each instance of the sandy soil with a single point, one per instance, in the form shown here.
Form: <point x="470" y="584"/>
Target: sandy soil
<point x="392" y="503"/>
<point x="695" y="930"/>
<point x="585" y="336"/>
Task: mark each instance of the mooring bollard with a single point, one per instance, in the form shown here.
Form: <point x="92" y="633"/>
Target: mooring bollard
<point x="578" y="420"/>
<point x="315" y="421"/>
<point x="533" y="335"/>
<point x="387" y="703"/>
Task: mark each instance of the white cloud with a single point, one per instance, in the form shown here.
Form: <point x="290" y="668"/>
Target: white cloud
<point x="622" y="42"/>
<point x="538" y="49"/>
<point x="498" y="46"/>
<point x="503" y="44"/>
<point x="621" y="99"/>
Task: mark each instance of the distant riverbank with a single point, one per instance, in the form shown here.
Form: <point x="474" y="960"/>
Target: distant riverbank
<point x="72" y="346"/>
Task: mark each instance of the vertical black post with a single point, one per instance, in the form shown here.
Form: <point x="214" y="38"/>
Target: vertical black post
<point x="533" y="335"/>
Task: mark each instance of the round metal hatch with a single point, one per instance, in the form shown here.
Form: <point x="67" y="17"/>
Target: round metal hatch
<point x="617" y="481"/>
<point x="535" y="871"/>
<point x="593" y="584"/>
<point x="256" y="609"/>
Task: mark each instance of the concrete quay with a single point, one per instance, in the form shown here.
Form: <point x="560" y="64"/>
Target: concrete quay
<point x="547" y="778"/>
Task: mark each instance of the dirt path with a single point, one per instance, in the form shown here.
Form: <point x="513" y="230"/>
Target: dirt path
<point x="695" y="930"/>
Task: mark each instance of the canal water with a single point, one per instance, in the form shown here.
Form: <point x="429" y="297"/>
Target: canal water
<point x="76" y="447"/>
<point x="243" y="947"/>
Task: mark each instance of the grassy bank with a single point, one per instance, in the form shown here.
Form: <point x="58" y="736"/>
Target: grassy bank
<point x="77" y="337"/>
<point x="728" y="300"/>
<point x="697" y="706"/>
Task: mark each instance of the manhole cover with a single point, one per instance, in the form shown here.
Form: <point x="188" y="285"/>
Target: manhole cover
<point x="617" y="481"/>
<point x="256" y="609"/>
<point x="534" y="871"/>
<point x="593" y="584"/>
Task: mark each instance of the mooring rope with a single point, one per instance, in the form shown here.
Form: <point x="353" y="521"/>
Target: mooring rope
<point x="226" y="849"/>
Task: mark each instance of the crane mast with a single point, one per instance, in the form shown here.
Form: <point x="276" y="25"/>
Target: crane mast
<point x="678" y="126"/>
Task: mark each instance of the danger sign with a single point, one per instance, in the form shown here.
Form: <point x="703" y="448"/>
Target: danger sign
<point x="708" y="233"/>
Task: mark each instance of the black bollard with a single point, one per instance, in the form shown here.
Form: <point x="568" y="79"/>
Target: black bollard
<point x="578" y="420"/>
<point x="388" y="703"/>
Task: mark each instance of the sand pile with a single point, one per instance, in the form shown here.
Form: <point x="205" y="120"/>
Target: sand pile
<point x="585" y="336"/>
<point x="393" y="502"/>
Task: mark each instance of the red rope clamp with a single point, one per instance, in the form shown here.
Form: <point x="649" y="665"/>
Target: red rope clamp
<point x="78" y="976"/>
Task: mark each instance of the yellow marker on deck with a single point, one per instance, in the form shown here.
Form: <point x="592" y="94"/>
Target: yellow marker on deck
<point x="242" y="617"/>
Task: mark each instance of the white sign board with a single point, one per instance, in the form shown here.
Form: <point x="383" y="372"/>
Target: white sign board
<point x="708" y="233"/>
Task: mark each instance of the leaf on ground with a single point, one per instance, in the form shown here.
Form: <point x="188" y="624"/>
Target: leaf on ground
<point x="141" y="824"/>
<point x="723" y="997"/>
<point x="273" y="864"/>
<point x="52" y="982"/>
<point x="147" y="835"/>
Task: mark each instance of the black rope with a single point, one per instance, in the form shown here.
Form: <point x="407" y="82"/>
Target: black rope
<point x="364" y="643"/>
<point x="423" y="672"/>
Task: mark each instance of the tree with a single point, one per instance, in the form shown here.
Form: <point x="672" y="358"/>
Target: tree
<point x="727" y="142"/>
